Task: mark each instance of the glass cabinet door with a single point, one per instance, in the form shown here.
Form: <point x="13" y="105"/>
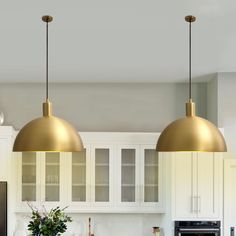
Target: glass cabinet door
<point x="79" y="176"/>
<point x="151" y="175"/>
<point x="28" y="176"/>
<point x="52" y="176"/>
<point x="102" y="185"/>
<point x="128" y="175"/>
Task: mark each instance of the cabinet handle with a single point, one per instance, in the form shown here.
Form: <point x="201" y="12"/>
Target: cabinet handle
<point x="231" y="231"/>
<point x="199" y="204"/>
<point x="194" y="204"/>
<point x="191" y="203"/>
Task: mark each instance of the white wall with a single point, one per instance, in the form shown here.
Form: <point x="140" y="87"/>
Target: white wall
<point x="212" y="100"/>
<point x="227" y="108"/>
<point x="142" y="107"/>
<point x="104" y="224"/>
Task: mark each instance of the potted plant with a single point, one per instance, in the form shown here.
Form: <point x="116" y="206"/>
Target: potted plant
<point x="52" y="223"/>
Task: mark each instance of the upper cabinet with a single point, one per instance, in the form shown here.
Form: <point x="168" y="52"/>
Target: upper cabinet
<point x="151" y="178"/>
<point x="116" y="172"/>
<point x="28" y="177"/>
<point x="196" y="185"/>
<point x="79" y="181"/>
<point x="140" y="172"/>
<point x="39" y="177"/>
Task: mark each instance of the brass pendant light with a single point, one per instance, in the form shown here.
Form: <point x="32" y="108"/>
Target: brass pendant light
<point x="191" y="133"/>
<point x="47" y="133"/>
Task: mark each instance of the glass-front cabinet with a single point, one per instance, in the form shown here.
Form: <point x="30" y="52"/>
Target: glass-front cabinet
<point x="128" y="175"/>
<point x="102" y="175"/>
<point x="140" y="177"/>
<point x="39" y="177"/>
<point x="52" y="177"/>
<point x="115" y="175"/>
<point x="28" y="177"/>
<point x="150" y="175"/>
<point x="79" y="170"/>
<point x="128" y="178"/>
<point x="102" y="157"/>
<point x="91" y="176"/>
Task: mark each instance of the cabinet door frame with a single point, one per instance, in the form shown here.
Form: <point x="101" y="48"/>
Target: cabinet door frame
<point x="188" y="211"/>
<point x="210" y="209"/>
<point x="152" y="206"/>
<point x="118" y="175"/>
<point x="23" y="204"/>
<point x="198" y="192"/>
<point x="229" y="193"/>
<point x="76" y="205"/>
<point x="111" y="149"/>
<point x="62" y="188"/>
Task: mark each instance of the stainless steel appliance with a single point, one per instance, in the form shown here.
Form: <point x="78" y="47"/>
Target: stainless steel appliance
<point x="3" y="208"/>
<point x="197" y="228"/>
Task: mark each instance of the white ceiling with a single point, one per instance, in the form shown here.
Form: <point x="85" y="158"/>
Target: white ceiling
<point x="116" y="40"/>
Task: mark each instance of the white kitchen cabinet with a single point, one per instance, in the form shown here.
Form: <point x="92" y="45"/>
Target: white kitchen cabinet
<point x="196" y="185"/>
<point x="152" y="173"/>
<point x="80" y="179"/>
<point x="140" y="172"/>
<point x="128" y="173"/>
<point x="102" y="174"/>
<point x="230" y="196"/>
<point x="41" y="178"/>
<point x="117" y="172"/>
<point x="90" y="178"/>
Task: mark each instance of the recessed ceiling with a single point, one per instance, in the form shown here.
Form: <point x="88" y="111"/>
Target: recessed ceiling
<point x="116" y="40"/>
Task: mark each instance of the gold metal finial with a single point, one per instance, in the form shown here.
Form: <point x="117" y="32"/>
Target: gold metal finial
<point x="190" y="108"/>
<point x="47" y="18"/>
<point x="190" y="18"/>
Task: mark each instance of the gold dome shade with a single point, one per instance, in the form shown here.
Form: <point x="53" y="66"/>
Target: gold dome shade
<point x="48" y="134"/>
<point x="191" y="133"/>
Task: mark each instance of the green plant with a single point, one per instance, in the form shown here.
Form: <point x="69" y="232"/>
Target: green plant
<point x="48" y="224"/>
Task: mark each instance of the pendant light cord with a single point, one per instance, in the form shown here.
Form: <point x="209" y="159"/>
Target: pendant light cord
<point x="190" y="60"/>
<point x="47" y="61"/>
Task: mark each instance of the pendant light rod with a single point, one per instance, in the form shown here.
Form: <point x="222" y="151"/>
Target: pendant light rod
<point x="47" y="19"/>
<point x="190" y="61"/>
<point x="47" y="61"/>
<point x="190" y="19"/>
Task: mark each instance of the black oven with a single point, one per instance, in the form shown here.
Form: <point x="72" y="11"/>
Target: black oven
<point x="197" y="228"/>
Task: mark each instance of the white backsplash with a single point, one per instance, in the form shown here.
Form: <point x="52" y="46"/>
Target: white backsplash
<point x="103" y="224"/>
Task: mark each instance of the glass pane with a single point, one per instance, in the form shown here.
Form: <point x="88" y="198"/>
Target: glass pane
<point x="102" y="175"/>
<point x="79" y="193"/>
<point x="151" y="194"/>
<point x="151" y="175"/>
<point x="128" y="194"/>
<point x="79" y="176"/>
<point x="128" y="175"/>
<point x="52" y="177"/>
<point x="52" y="193"/>
<point x="29" y="193"/>
<point x="28" y="176"/>
<point x="102" y="193"/>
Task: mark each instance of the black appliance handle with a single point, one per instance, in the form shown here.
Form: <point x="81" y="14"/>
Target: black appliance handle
<point x="199" y="230"/>
<point x="231" y="231"/>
